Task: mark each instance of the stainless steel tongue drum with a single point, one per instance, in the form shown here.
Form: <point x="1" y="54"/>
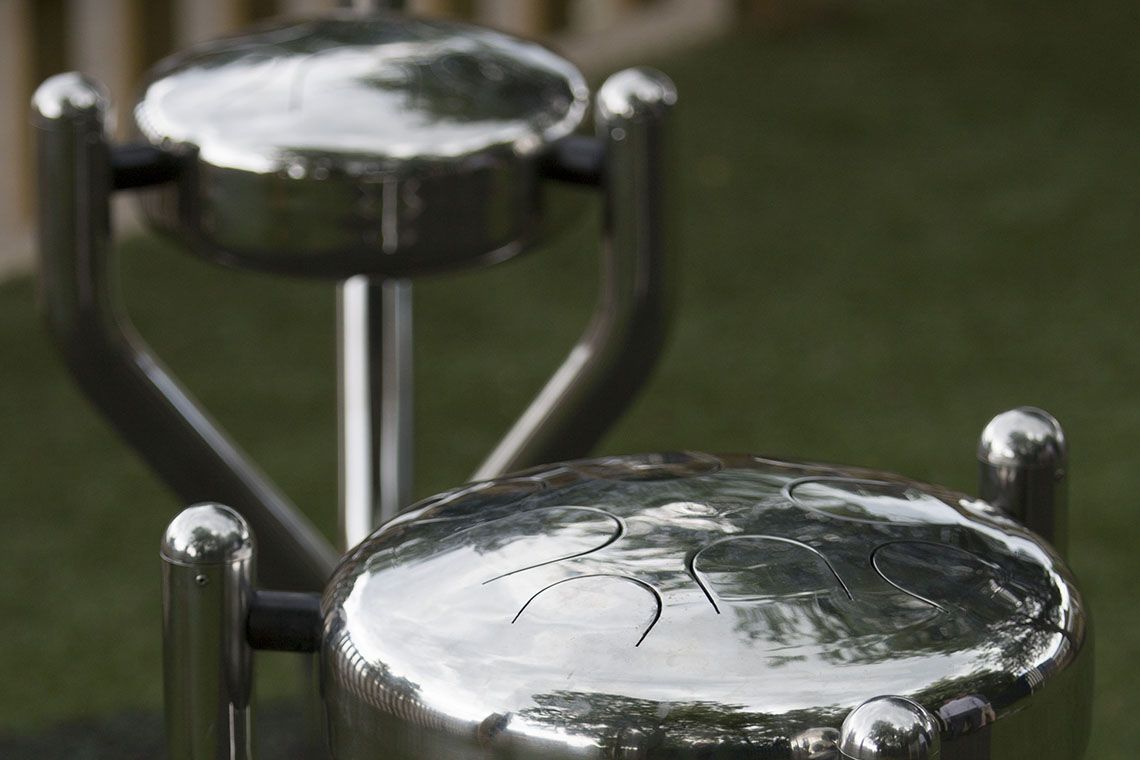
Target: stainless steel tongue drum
<point x="673" y="605"/>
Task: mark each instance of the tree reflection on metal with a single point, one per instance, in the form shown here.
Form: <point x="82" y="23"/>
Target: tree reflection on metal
<point x="681" y="599"/>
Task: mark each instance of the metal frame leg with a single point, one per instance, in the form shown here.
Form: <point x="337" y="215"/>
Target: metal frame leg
<point x="207" y="586"/>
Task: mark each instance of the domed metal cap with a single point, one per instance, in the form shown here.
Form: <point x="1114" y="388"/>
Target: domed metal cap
<point x="1023" y="437"/>
<point x="66" y="95"/>
<point x="889" y="728"/>
<point x="631" y="93"/>
<point x="349" y="144"/>
<point x="207" y="534"/>
<point x="688" y="605"/>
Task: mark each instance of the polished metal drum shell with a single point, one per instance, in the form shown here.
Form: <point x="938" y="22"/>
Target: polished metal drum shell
<point x="685" y="606"/>
<point x="345" y="144"/>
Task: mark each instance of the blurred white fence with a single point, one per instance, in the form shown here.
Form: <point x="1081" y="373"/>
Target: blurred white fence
<point x="116" y="40"/>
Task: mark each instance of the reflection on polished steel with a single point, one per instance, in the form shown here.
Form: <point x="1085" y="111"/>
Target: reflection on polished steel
<point x="374" y="367"/>
<point x="347" y="145"/>
<point x="374" y="370"/>
<point x="109" y="360"/>
<point x="207" y="569"/>
<point x="816" y="744"/>
<point x="890" y="728"/>
<point x="1023" y="459"/>
<point x="612" y="359"/>
<point x="374" y="341"/>
<point x="688" y="605"/>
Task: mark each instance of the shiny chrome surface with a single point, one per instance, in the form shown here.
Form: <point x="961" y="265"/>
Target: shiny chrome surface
<point x="890" y="728"/>
<point x="816" y="744"/>
<point x="613" y="358"/>
<point x="688" y="606"/>
<point x="117" y="371"/>
<point x="207" y="571"/>
<point x="375" y="378"/>
<point x="348" y="145"/>
<point x="1023" y="458"/>
<point x="375" y="417"/>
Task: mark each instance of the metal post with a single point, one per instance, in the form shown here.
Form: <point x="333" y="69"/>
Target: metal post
<point x="127" y="382"/>
<point x="207" y="567"/>
<point x="375" y="370"/>
<point x="374" y="320"/>
<point x="1023" y="458"/>
<point x="611" y="361"/>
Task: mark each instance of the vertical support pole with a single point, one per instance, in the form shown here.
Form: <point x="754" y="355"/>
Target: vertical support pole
<point x="1023" y="458"/>
<point x="207" y="569"/>
<point x="396" y="399"/>
<point x="374" y="358"/>
<point x="375" y="369"/>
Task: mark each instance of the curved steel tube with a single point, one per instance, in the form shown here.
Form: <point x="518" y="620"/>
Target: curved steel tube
<point x="613" y="358"/>
<point x="113" y="366"/>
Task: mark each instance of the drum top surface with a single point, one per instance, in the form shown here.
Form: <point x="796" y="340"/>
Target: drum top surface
<point x="706" y="601"/>
<point x="342" y="92"/>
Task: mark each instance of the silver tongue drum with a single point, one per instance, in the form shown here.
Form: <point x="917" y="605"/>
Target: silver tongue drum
<point x="685" y="606"/>
<point x="346" y="145"/>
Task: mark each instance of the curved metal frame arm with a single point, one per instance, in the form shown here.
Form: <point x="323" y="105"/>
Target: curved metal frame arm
<point x="114" y="367"/>
<point x="614" y="357"/>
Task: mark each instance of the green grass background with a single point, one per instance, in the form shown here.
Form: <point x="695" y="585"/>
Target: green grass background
<point x="889" y="227"/>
